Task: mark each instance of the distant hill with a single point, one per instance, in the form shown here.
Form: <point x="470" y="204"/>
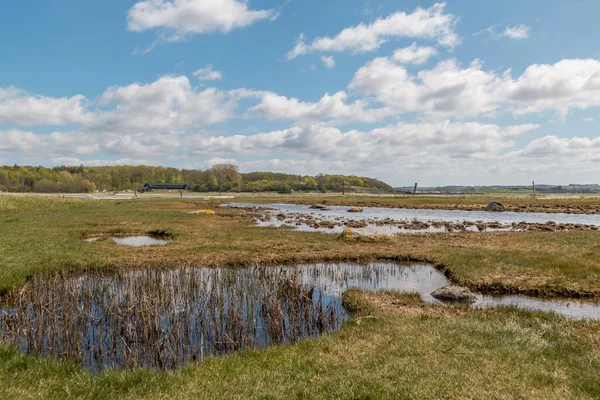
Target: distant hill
<point x="222" y="177"/>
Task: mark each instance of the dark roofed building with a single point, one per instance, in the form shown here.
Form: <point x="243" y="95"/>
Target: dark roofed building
<point x="148" y="187"/>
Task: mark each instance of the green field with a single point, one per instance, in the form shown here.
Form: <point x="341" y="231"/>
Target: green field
<point x="393" y="347"/>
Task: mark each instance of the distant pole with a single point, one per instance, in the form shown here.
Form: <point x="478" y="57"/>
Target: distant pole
<point x="181" y="194"/>
<point x="135" y="193"/>
<point x="415" y="189"/>
<point x="533" y="187"/>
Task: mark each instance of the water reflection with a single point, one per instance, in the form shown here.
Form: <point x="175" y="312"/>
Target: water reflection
<point x="165" y="318"/>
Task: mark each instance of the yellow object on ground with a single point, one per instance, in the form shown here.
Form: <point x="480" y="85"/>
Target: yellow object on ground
<point x="208" y="212"/>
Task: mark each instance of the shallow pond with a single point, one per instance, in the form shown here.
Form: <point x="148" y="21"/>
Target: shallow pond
<point x="135" y="241"/>
<point x="165" y="318"/>
<point x="301" y="217"/>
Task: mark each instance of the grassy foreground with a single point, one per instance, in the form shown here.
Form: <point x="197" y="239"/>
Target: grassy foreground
<point x="394" y="347"/>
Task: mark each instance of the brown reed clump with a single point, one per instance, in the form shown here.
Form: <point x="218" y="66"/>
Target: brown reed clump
<point x="163" y="319"/>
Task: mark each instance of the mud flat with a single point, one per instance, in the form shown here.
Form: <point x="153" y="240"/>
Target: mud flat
<point x="397" y="220"/>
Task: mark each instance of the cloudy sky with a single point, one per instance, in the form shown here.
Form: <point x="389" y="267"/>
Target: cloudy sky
<point x="462" y="92"/>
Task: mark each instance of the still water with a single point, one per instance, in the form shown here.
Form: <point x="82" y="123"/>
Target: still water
<point x="372" y="215"/>
<point x="164" y="318"/>
<point x="135" y="241"/>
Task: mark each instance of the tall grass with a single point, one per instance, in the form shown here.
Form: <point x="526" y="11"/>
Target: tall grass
<point x="163" y="319"/>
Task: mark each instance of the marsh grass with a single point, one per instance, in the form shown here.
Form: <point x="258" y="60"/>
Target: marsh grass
<point x="162" y="319"/>
<point x="394" y="346"/>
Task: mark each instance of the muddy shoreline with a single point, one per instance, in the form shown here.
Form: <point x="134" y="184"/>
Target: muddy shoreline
<point x="590" y="209"/>
<point x="293" y="220"/>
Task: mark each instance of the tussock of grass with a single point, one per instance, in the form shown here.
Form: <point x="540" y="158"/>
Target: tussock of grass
<point x="163" y="233"/>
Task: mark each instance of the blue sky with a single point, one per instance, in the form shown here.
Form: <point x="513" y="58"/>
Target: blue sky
<point x="461" y="92"/>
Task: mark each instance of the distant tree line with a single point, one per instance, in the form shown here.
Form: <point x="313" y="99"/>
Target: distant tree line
<point x="219" y="178"/>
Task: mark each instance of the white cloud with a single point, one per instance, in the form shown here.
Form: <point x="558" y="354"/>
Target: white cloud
<point x="329" y="107"/>
<point x="208" y="74"/>
<point x="448" y="90"/>
<point x="328" y="61"/>
<point x="444" y="91"/>
<point x="440" y="149"/>
<point x="588" y="119"/>
<point x="516" y="32"/>
<point x="20" y="108"/>
<point x="550" y="155"/>
<point x="414" y="54"/>
<point x="168" y="105"/>
<point x="568" y="84"/>
<point x="29" y="144"/>
<point x="553" y="146"/>
<point x="74" y="144"/>
<point x="390" y="144"/>
<point x="430" y="23"/>
<point x="187" y="17"/>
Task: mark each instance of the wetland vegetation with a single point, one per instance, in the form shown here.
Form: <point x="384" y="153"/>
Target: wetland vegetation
<point x="393" y="345"/>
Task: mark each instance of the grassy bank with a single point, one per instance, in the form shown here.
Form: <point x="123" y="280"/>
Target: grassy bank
<point x="45" y="235"/>
<point x="394" y="347"/>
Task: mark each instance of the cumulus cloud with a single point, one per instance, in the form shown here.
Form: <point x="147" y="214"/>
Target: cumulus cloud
<point x="516" y="32"/>
<point x="560" y="87"/>
<point x="421" y="149"/>
<point x="75" y="144"/>
<point x="553" y="146"/>
<point x="414" y="54"/>
<point x="330" y="107"/>
<point x="169" y="104"/>
<point x="388" y="144"/>
<point x="328" y="61"/>
<point x="430" y="23"/>
<point x="208" y="74"/>
<point x="448" y="89"/>
<point x="444" y="91"/>
<point x="20" y="108"/>
<point x="180" y="18"/>
<point x="551" y="155"/>
<point x="15" y="141"/>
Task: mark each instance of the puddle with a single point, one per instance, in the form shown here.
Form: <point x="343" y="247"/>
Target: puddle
<point x="374" y="220"/>
<point x="163" y="319"/>
<point x="135" y="241"/>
